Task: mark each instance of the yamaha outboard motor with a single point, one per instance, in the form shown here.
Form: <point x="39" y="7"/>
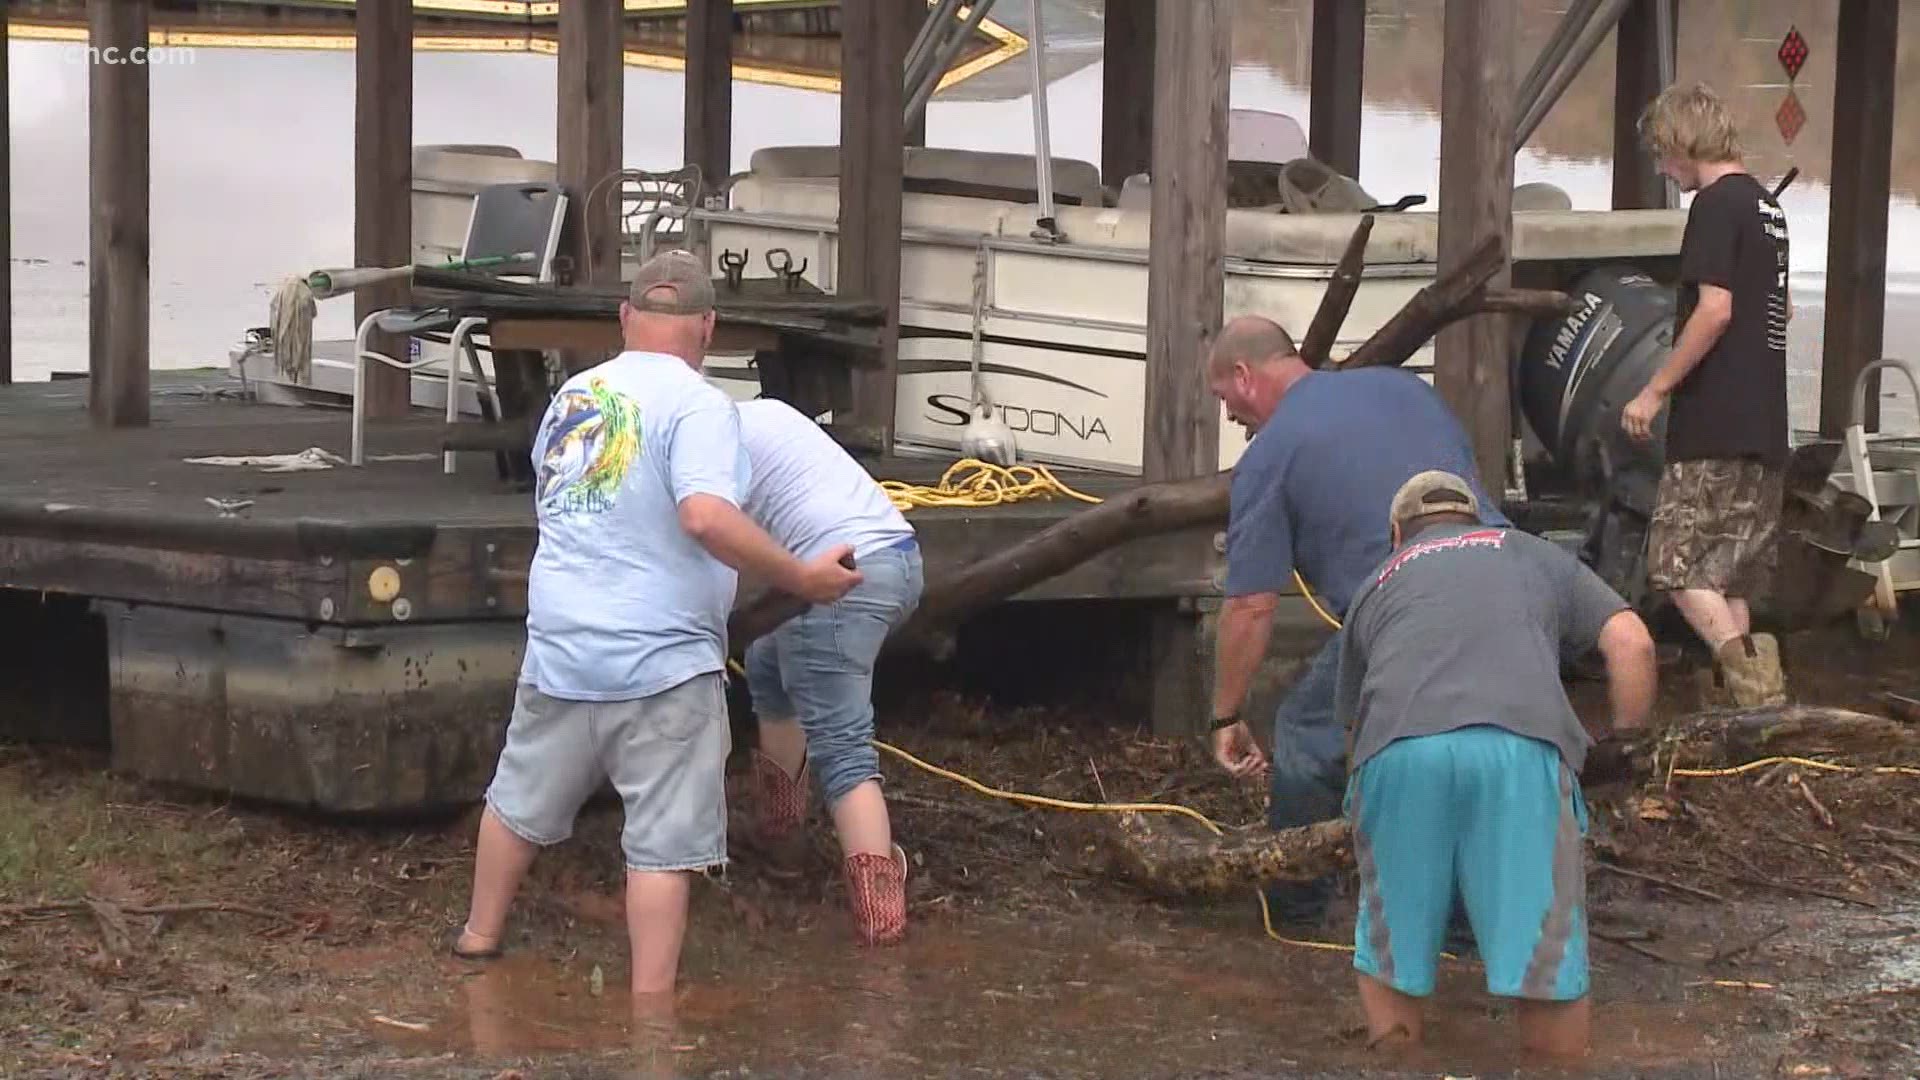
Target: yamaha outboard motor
<point x="1576" y="374"/>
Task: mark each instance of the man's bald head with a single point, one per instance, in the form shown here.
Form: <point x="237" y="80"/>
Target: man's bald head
<point x="1251" y="340"/>
<point x="1250" y="368"/>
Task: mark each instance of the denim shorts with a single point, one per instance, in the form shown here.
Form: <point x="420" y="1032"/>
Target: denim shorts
<point x="817" y="668"/>
<point x="666" y="755"/>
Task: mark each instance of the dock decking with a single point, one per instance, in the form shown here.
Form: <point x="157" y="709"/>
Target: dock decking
<point x="122" y="514"/>
<point x="344" y="639"/>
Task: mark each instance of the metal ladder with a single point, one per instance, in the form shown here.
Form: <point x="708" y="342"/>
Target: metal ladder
<point x="1885" y="600"/>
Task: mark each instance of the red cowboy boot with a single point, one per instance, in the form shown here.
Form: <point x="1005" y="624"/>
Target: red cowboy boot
<point x="877" y="893"/>
<point x="780" y="814"/>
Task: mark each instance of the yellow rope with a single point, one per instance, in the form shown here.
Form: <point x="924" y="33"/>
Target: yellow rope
<point x="1266" y="915"/>
<point x="1042" y="800"/>
<point x="972" y="482"/>
<point x="1736" y="770"/>
<point x="1324" y="614"/>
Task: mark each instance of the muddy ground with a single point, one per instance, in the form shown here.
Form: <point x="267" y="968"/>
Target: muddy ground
<point x="1741" y="934"/>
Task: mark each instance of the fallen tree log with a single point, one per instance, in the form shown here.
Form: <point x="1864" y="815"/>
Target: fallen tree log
<point x="1172" y="856"/>
<point x="1423" y="316"/>
<point x="1338" y="299"/>
<point x="1729" y="738"/>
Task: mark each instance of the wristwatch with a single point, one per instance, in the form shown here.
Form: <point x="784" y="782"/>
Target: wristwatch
<point x="1224" y="722"/>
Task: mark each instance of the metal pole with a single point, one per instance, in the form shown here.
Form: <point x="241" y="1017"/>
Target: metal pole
<point x="1590" y="38"/>
<point x="932" y="32"/>
<point x="1665" y="31"/>
<point x="1042" y="142"/>
<point x="922" y="91"/>
<point x="1552" y="52"/>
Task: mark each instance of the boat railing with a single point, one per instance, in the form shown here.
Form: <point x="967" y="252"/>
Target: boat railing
<point x="957" y="238"/>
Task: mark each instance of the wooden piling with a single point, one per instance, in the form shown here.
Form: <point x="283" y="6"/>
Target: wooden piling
<point x="118" y="352"/>
<point x="1185" y="303"/>
<point x="1126" y="103"/>
<point x="383" y="181"/>
<point x="591" y="99"/>
<point x="1637" y="80"/>
<point x="709" y="112"/>
<point x="1476" y="202"/>
<point x="1333" y="103"/>
<point x="1187" y="242"/>
<point x="1856" y="302"/>
<point x="6" y="216"/>
<point x="873" y="50"/>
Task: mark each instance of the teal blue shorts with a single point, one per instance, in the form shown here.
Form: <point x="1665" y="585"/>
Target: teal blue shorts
<point x="1494" y="815"/>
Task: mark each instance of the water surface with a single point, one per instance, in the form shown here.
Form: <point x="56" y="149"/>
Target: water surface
<point x="253" y="151"/>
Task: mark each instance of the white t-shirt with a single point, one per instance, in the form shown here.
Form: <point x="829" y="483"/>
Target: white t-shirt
<point x="621" y="602"/>
<point x="807" y="492"/>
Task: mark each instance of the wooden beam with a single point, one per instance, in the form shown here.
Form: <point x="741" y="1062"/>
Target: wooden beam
<point x="1187" y="242"/>
<point x="383" y="180"/>
<point x="1863" y="95"/>
<point x="918" y="12"/>
<point x="6" y="217"/>
<point x="1185" y="304"/>
<point x="709" y="114"/>
<point x="1637" y="80"/>
<point x="118" y="348"/>
<point x="1333" y="103"/>
<point x="1476" y="202"/>
<point x="1126" y="103"/>
<point x="592" y="78"/>
<point x="873" y="47"/>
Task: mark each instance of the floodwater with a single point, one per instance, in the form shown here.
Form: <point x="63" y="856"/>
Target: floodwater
<point x="252" y="150"/>
<point x="992" y="997"/>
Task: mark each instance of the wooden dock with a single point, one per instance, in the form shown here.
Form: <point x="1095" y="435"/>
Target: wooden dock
<point x="343" y="638"/>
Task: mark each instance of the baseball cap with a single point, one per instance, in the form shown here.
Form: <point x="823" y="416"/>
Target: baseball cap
<point x="1433" y="492"/>
<point x="680" y="271"/>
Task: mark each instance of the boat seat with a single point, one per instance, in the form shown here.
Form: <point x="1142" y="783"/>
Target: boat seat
<point x="983" y="172"/>
<point x="1541" y="195"/>
<point x="819" y="199"/>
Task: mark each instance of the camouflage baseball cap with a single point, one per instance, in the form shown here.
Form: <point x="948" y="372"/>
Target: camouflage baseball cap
<point x="679" y="272"/>
<point x="1433" y="492"/>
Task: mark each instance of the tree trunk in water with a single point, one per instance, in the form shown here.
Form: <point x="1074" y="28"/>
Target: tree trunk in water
<point x="1170" y="855"/>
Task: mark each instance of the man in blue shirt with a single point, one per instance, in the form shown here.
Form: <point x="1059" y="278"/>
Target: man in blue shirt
<point x="1329" y="450"/>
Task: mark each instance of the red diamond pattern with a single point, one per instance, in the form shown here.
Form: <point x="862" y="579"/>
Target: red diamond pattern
<point x="1790" y="117"/>
<point x="1793" y="54"/>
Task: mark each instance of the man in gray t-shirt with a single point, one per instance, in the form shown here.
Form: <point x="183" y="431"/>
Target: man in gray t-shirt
<point x="1466" y="754"/>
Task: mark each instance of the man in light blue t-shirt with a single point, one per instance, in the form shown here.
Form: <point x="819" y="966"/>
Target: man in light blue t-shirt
<point x="1330" y="449"/>
<point x="640" y="480"/>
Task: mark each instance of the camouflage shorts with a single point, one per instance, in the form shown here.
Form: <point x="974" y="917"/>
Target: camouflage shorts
<point x="1716" y="525"/>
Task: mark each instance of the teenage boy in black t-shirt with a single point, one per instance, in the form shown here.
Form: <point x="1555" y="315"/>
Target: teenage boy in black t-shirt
<point x="1713" y="543"/>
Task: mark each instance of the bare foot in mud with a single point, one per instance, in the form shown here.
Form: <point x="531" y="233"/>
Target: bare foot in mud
<point x="653" y="1037"/>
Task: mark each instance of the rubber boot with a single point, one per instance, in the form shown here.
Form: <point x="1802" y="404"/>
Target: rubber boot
<point x="877" y="895"/>
<point x="1751" y="666"/>
<point x="779" y="814"/>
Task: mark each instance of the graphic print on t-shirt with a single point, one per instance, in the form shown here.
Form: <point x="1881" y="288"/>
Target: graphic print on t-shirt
<point x="1773" y="221"/>
<point x="1479" y="538"/>
<point x="589" y="445"/>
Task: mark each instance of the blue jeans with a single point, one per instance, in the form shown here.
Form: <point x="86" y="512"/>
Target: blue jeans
<point x="1309" y="772"/>
<point x="817" y="668"/>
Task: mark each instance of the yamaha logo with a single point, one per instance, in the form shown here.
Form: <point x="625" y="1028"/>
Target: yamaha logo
<point x="1572" y="330"/>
